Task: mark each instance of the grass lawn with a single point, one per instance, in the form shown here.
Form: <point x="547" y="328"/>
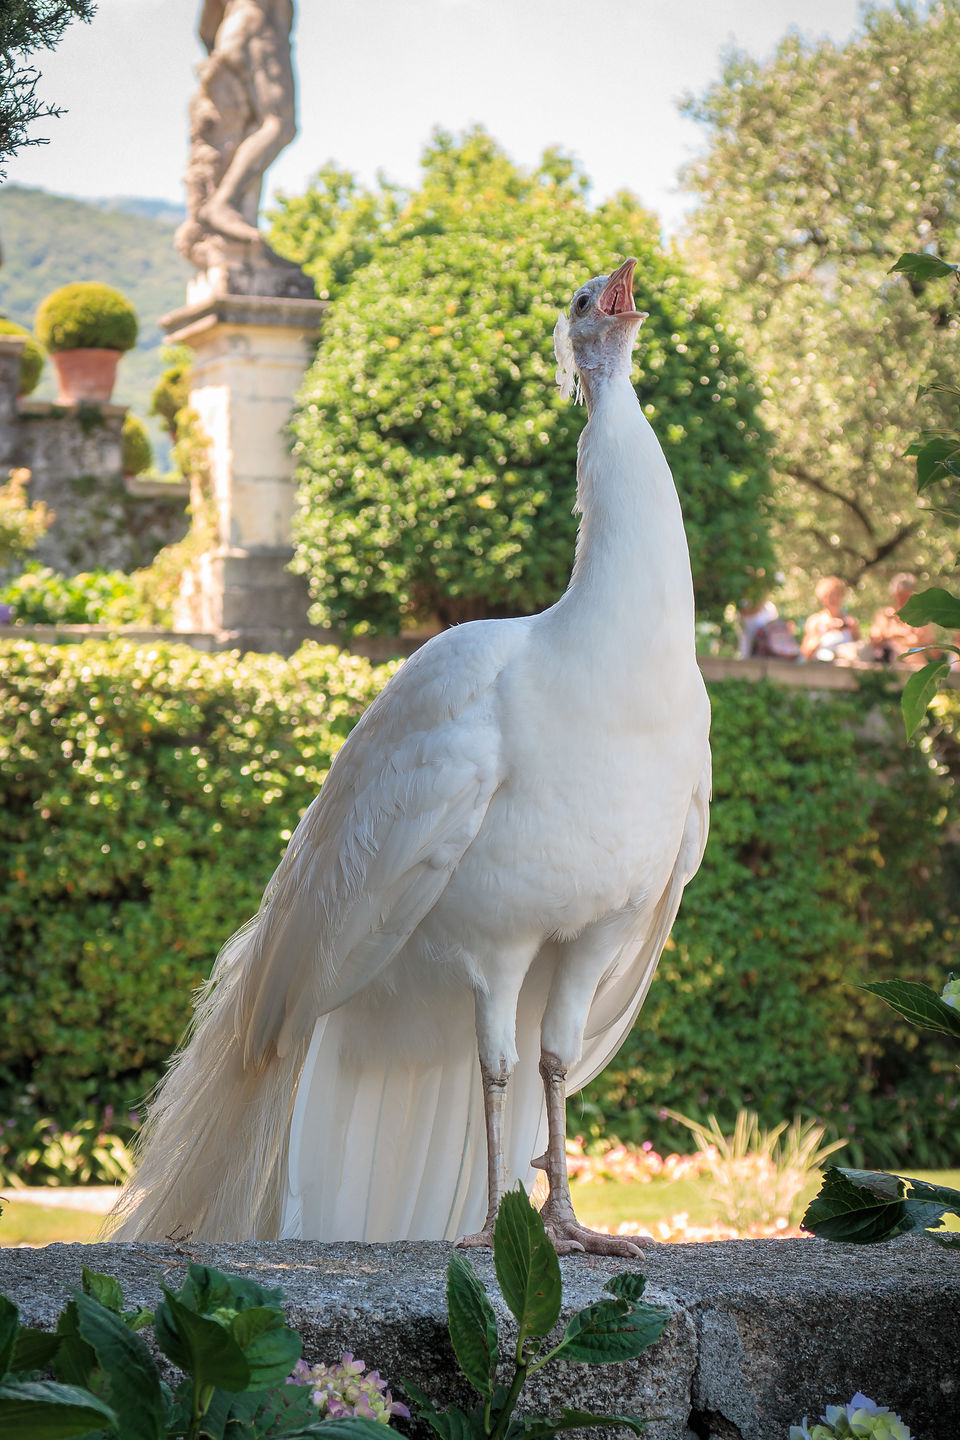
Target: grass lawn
<point x="610" y="1204"/>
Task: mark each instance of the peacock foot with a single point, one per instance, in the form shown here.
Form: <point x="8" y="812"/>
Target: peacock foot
<point x="569" y="1236"/>
<point x="483" y="1239"/>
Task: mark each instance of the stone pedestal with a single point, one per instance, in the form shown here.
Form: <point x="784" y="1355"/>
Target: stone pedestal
<point x="250" y="355"/>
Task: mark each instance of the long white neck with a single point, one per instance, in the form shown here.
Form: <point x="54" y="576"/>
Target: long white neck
<point x="631" y="578"/>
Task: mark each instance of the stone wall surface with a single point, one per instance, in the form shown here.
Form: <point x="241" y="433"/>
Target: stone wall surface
<point x="74" y="455"/>
<point x="761" y="1332"/>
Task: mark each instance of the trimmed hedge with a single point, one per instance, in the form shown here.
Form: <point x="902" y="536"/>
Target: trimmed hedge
<point x="147" y="795"/>
<point x="833" y="860"/>
<point x="146" y="798"/>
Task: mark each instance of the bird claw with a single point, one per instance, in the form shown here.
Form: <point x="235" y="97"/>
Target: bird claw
<point x="569" y="1236"/>
<point x="483" y="1239"/>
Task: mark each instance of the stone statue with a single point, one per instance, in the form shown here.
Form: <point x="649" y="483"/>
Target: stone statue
<point x="241" y="117"/>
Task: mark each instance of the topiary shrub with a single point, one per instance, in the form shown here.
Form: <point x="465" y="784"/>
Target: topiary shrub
<point x="32" y="360"/>
<point x="137" y="450"/>
<point x="86" y="315"/>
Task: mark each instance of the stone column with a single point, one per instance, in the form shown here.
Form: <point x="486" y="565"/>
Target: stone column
<point x="250" y="355"/>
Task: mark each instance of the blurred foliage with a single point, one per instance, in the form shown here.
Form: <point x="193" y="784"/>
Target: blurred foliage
<point x="436" y="459"/>
<point x="137" y="450"/>
<point x="833" y="859"/>
<point x="41" y="596"/>
<point x="171" y="394"/>
<point x="147" y="795"/>
<point x="21" y="524"/>
<point x="32" y="359"/>
<point x="40" y="1152"/>
<point x="799" y="219"/>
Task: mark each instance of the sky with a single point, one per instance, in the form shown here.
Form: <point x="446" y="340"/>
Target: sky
<point x="599" y="78"/>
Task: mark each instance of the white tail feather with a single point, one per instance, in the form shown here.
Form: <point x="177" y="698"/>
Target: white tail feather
<point x="212" y="1155"/>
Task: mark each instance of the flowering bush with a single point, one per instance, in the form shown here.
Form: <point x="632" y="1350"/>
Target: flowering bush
<point x="862" y="1417"/>
<point x="344" y="1390"/>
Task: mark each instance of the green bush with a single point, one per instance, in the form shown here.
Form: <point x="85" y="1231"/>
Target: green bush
<point x="86" y="314"/>
<point x="437" y="462"/>
<point x="831" y="862"/>
<point x="41" y="596"/>
<point x="146" y="795"/>
<point x="32" y="359"/>
<point x="171" y="394"/>
<point x="137" y="450"/>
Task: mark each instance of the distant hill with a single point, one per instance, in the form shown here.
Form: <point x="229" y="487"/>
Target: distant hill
<point x="49" y="240"/>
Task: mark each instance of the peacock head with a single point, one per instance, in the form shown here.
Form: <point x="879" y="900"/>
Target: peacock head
<point x="597" y="335"/>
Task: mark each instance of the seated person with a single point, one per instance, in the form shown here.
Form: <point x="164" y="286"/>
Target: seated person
<point x="891" y="636"/>
<point x="830" y="627"/>
<point x="752" y="616"/>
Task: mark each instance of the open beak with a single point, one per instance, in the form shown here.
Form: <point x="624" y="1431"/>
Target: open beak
<point x="616" y="297"/>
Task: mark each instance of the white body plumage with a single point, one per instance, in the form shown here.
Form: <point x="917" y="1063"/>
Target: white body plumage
<point x="494" y="862"/>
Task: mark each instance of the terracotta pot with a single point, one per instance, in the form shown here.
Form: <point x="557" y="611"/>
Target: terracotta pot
<point x="85" y="375"/>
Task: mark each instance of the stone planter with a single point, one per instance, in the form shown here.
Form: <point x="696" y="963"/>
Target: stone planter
<point x="85" y="375"/>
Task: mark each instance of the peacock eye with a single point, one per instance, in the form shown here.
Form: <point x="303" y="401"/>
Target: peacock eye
<point x="582" y="302"/>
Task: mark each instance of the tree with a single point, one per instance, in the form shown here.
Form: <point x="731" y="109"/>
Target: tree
<point x="822" y="166"/>
<point x="25" y="27"/>
<point x="436" y="460"/>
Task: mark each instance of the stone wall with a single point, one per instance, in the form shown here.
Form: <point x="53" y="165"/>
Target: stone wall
<point x="761" y="1332"/>
<point x="74" y="454"/>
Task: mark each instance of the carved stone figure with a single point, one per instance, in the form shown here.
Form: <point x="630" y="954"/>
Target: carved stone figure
<point x="241" y="117"/>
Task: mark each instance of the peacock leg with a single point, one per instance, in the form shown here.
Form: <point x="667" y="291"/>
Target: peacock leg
<point x="494" y="1101"/>
<point x="557" y="1214"/>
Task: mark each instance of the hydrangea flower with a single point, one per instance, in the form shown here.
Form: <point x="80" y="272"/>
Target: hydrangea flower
<point x="861" y="1419"/>
<point x="950" y="994"/>
<point x="345" y="1390"/>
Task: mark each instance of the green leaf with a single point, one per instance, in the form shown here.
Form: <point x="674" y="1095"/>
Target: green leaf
<point x="269" y="1346"/>
<point x="527" y="1267"/>
<point x="935" y="606"/>
<point x="34" y="1349"/>
<point x="472" y="1325"/>
<point x="611" y="1330"/>
<point x="9" y="1325"/>
<point x="74" y="1361"/>
<point x="531" y="1427"/>
<point x="937" y="387"/>
<point x="354" y="1428"/>
<point x="627" y="1286"/>
<point x="919" y="691"/>
<point x="918" y="1004"/>
<point x="203" y="1348"/>
<point x="936" y="459"/>
<point x="923" y="267"/>
<point x="131" y="1375"/>
<point x="44" y="1410"/>
<point x="103" y="1288"/>
<point x="862" y="1207"/>
<point x="448" y="1424"/>
<point x="206" y="1289"/>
